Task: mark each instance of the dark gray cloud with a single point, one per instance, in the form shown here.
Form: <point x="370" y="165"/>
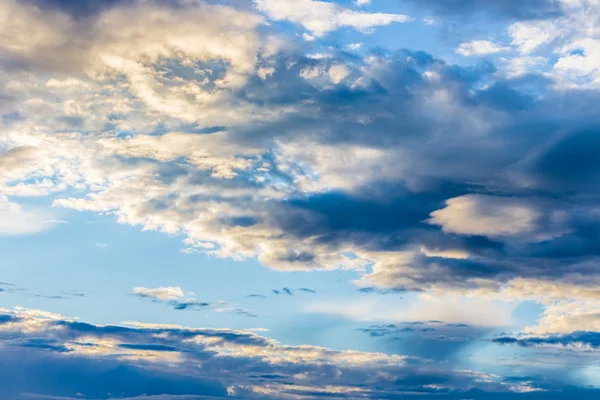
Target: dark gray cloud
<point x="189" y="305"/>
<point x="503" y="140"/>
<point x="579" y="338"/>
<point x="516" y="140"/>
<point x="285" y="291"/>
<point x="553" y="152"/>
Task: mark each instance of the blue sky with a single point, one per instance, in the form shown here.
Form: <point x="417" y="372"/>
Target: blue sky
<point x="277" y="199"/>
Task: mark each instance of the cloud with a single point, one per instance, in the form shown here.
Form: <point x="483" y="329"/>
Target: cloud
<point x="55" y="297"/>
<point x="73" y="293"/>
<point x="161" y="293"/>
<point x="102" y="359"/>
<point x="285" y="291"/>
<point x="495" y="217"/>
<point x="177" y="299"/>
<point x="577" y="340"/>
<point x="417" y="174"/>
<point x="432" y="339"/>
<point x="18" y="220"/>
<point x="189" y="305"/>
<point x="353" y="46"/>
<point x="478" y="48"/>
<point x="137" y="53"/>
<point x="374" y="289"/>
<point x="320" y="17"/>
<point x="569" y="37"/>
<point x="565" y="316"/>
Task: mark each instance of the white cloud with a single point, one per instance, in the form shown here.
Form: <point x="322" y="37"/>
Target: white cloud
<point x="453" y="253"/>
<point x="519" y="66"/>
<point x="528" y="36"/>
<point x="485" y="215"/>
<point x="320" y="17"/>
<point x="568" y="316"/>
<point x="573" y="36"/>
<point x="580" y="59"/>
<point x="479" y="48"/>
<point x="18" y="220"/>
<point x="265" y="72"/>
<point x="319" y="167"/>
<point x="161" y="293"/>
<point x="337" y="73"/>
<point x="137" y="41"/>
<point x="353" y="46"/>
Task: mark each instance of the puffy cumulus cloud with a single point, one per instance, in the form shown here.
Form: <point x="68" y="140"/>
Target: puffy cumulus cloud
<point x="321" y="17"/>
<point x="99" y="360"/>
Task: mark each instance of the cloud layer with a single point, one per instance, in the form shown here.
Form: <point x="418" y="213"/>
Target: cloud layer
<point x="170" y="361"/>
<point x="472" y="182"/>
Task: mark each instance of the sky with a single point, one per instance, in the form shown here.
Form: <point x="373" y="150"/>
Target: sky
<point x="299" y="199"/>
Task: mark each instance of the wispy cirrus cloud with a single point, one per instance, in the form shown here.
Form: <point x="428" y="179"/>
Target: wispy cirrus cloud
<point x="175" y="297"/>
